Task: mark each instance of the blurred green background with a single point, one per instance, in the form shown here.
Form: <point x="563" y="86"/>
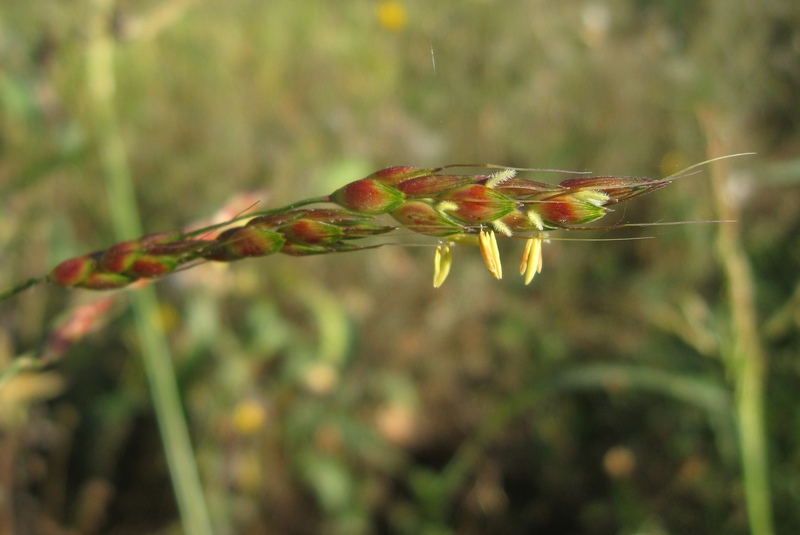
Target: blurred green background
<point x="342" y="394"/>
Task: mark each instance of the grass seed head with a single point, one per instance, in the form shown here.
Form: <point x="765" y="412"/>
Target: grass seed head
<point x="463" y="208"/>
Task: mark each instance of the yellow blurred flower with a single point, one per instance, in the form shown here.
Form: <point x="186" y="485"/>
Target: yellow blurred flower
<point x="321" y="378"/>
<point x="249" y="416"/>
<point x="392" y="15"/>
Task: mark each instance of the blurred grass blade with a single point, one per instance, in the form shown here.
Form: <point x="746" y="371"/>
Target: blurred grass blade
<point x="155" y="352"/>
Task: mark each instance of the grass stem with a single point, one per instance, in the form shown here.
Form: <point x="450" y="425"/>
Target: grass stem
<point x="155" y="351"/>
<point x="744" y="355"/>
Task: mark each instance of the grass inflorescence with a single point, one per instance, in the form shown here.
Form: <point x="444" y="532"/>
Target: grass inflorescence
<point x="455" y="208"/>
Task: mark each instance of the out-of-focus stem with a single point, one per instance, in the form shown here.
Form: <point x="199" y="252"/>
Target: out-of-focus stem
<point x="155" y="351"/>
<point x="744" y="355"/>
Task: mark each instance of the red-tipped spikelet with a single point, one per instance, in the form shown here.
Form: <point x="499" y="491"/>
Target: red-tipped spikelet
<point x="430" y="185"/>
<point x="567" y="210"/>
<point x="244" y="242"/>
<point x="74" y="271"/>
<point x="391" y="176"/>
<point x="475" y="204"/>
<point x="368" y="196"/>
<point x="312" y="232"/>
<point x="149" y="266"/>
<point x="121" y="256"/>
<point x="422" y="217"/>
<point x="617" y="189"/>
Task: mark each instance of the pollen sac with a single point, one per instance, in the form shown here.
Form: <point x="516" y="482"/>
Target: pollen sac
<point x="74" y="271"/>
<point x="442" y="262"/>
<point x="531" y="259"/>
<point x="423" y="218"/>
<point x="476" y="203"/>
<point x="368" y="196"/>
<point x="490" y="253"/>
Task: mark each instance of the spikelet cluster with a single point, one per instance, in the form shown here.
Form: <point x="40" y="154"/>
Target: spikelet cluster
<point x="476" y="208"/>
<point x="454" y="208"/>
<point x="296" y="232"/>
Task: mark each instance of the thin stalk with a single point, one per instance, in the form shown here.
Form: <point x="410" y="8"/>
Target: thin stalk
<point x="744" y="356"/>
<point x="155" y="351"/>
<point x="21" y="287"/>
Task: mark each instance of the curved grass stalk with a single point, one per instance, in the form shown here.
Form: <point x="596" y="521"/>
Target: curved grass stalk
<point x="21" y="287"/>
<point x="743" y="355"/>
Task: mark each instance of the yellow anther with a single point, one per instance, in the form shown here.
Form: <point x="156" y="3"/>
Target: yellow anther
<point x="531" y="259"/>
<point x="441" y="265"/>
<point x="491" y="255"/>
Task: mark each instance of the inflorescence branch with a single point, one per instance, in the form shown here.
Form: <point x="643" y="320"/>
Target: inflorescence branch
<point x="455" y="208"/>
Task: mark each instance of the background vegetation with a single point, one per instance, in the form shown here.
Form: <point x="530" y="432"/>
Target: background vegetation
<point x="343" y="394"/>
